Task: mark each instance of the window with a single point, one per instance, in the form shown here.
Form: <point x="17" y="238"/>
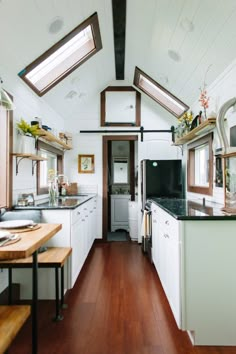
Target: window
<point x="120" y="106"/>
<point x="6" y="118"/>
<point x="159" y="94"/>
<point x="54" y="162"/>
<point x="200" y="166"/>
<point x="64" y="57"/>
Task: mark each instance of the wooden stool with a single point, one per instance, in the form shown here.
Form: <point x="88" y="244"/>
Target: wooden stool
<point x="53" y="257"/>
<point x="12" y="319"/>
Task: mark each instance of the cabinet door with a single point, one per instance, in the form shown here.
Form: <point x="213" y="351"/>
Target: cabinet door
<point x="155" y="237"/>
<point x="170" y="269"/>
<point x="77" y="244"/>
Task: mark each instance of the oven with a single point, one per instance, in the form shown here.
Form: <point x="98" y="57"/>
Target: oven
<point x="147" y="230"/>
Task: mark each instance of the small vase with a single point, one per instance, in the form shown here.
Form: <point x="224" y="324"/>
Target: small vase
<point x="26" y="144"/>
<point x="53" y="193"/>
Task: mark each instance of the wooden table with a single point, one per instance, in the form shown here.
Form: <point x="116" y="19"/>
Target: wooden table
<point x="12" y="319"/>
<point x="28" y="245"/>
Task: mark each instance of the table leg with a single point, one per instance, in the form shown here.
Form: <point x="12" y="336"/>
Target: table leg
<point x="35" y="303"/>
<point x="9" y="286"/>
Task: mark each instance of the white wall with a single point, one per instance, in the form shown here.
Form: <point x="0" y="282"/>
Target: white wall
<point x="28" y="105"/>
<point x="220" y="91"/>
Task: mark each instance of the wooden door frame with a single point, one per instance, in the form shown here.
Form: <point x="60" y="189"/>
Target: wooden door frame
<point x="105" y="141"/>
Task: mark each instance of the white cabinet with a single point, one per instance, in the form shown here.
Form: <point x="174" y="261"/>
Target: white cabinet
<point x="78" y="232"/>
<point x="166" y="257"/>
<point x="119" y="212"/>
<point x="195" y="261"/>
<point x="77" y="243"/>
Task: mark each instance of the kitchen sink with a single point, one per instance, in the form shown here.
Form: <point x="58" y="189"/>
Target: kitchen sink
<point x="77" y="196"/>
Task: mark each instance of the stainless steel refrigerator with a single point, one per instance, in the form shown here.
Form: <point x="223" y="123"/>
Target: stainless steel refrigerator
<point x="161" y="179"/>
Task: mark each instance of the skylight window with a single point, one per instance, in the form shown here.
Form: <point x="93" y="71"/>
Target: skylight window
<point x="64" y="57"/>
<point x="159" y="93"/>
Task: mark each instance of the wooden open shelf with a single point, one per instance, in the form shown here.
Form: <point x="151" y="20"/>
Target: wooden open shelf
<point x="34" y="158"/>
<point x="203" y="128"/>
<point x="52" y="138"/>
<point x="30" y="156"/>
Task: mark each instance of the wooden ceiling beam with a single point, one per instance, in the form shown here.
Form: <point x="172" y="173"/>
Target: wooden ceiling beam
<point x="119" y="26"/>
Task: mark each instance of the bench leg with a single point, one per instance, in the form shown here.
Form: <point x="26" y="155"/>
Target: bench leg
<point x="9" y="286"/>
<point x="63" y="306"/>
<point x="58" y="317"/>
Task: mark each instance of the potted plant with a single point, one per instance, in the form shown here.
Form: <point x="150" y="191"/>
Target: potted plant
<point x="26" y="133"/>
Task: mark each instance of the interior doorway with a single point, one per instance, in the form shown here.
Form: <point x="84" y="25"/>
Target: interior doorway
<point x="114" y="183"/>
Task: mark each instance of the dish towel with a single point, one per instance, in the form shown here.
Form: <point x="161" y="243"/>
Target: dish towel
<point x="143" y="230"/>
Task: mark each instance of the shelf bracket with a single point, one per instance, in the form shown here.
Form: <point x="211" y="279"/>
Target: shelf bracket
<point x="34" y="163"/>
<point x="18" y="160"/>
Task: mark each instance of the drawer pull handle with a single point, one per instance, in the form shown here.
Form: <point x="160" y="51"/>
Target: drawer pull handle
<point x="85" y="208"/>
<point x="154" y="221"/>
<point x="78" y="213"/>
<point x="167" y="222"/>
<point x="166" y="236"/>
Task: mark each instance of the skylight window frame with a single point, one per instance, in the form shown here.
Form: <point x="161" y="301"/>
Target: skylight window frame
<point x="138" y="73"/>
<point x="93" y="22"/>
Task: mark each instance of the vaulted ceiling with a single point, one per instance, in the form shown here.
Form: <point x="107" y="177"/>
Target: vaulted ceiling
<point x="173" y="41"/>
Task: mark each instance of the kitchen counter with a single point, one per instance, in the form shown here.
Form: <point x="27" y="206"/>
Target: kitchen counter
<point x="184" y="209"/>
<point x="63" y="202"/>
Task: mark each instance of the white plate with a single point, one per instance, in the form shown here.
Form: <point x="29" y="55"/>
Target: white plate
<point x="4" y="234"/>
<point x="12" y="224"/>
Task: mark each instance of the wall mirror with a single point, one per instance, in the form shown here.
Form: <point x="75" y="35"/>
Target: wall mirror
<point x="200" y="166"/>
<point x="120" y="170"/>
<point x="120" y="106"/>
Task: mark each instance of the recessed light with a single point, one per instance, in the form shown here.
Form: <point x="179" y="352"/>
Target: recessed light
<point x="187" y="25"/>
<point x="55" y="25"/>
<point x="174" y="55"/>
<point x="70" y="95"/>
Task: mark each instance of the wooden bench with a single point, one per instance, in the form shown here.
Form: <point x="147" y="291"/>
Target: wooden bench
<point x="53" y="257"/>
<point x="12" y="319"/>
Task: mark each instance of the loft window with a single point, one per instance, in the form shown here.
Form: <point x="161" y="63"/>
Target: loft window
<point x="159" y="94"/>
<point x="64" y="57"/>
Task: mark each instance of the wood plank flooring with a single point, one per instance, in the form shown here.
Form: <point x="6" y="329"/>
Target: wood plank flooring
<point x="117" y="306"/>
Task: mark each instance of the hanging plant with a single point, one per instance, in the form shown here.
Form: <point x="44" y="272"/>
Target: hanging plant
<point x="25" y="128"/>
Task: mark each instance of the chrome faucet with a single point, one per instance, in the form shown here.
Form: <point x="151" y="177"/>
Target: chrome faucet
<point x="220" y="124"/>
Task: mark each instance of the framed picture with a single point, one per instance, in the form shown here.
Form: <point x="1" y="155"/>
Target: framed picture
<point x="86" y="163"/>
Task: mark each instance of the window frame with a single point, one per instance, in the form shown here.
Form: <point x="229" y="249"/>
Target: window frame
<point x="138" y="72"/>
<point x="137" y="122"/>
<point x="60" y="163"/>
<point x="93" y="22"/>
<point x="191" y="187"/>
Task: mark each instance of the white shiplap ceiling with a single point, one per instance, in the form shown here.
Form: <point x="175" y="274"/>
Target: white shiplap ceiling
<point x="201" y="34"/>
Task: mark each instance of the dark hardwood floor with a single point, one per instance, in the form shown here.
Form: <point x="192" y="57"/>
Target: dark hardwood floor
<point x="117" y="306"/>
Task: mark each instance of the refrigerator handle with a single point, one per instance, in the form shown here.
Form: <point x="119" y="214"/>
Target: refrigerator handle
<point x="144" y="184"/>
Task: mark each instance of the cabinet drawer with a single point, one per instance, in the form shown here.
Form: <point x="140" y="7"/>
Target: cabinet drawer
<point x="76" y="215"/>
<point x="168" y="224"/>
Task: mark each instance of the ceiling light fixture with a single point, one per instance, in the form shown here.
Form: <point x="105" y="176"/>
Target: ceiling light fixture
<point x="6" y="103"/>
<point x="187" y="25"/>
<point x="174" y="55"/>
<point x="55" y="25"/>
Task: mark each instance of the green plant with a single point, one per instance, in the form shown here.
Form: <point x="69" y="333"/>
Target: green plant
<point x="25" y="128"/>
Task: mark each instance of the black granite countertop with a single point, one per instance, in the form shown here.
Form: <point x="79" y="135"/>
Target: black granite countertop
<point x="67" y="202"/>
<point x="184" y="209"/>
